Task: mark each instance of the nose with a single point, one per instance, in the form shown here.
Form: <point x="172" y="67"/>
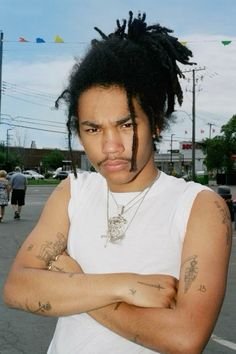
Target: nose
<point x="112" y="143"/>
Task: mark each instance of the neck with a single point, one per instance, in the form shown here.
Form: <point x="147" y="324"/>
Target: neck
<point x="137" y="184"/>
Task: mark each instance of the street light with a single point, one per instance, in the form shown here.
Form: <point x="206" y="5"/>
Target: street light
<point x="171" y="147"/>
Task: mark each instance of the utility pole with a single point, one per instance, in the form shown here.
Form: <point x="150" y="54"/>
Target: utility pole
<point x="210" y="126"/>
<point x="1" y="51"/>
<point x="171" y="149"/>
<point x="194" y="117"/>
<point x="8" y="143"/>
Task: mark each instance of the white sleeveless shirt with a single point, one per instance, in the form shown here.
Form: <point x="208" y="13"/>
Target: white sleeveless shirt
<point x="153" y="244"/>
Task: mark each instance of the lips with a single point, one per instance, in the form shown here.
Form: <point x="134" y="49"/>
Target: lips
<point x="115" y="165"/>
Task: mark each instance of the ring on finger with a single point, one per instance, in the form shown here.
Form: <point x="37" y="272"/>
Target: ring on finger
<point x="50" y="265"/>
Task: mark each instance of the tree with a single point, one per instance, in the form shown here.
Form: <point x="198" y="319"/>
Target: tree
<point x="221" y="148"/>
<point x="8" y="160"/>
<point x="53" y="160"/>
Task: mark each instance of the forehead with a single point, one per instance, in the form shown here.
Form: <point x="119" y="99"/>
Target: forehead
<point x="99" y="98"/>
<point x="105" y="102"/>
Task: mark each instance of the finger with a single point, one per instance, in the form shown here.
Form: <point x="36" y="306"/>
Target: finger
<point x="55" y="268"/>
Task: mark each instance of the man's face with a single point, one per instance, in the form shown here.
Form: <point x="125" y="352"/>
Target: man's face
<point x="106" y="132"/>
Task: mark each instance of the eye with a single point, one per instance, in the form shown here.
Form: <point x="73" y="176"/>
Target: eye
<point x="127" y="125"/>
<point x="92" y="130"/>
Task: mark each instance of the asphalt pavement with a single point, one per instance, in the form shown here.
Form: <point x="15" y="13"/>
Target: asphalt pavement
<point x="24" y="333"/>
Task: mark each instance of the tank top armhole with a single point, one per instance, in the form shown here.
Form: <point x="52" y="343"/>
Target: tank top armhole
<point x="76" y="188"/>
<point x="184" y="207"/>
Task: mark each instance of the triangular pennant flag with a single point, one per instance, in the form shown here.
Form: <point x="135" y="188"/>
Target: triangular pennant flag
<point x="22" y="39"/>
<point x="58" y="39"/>
<point x="40" y="40"/>
<point x="226" y="42"/>
<point x="184" y="43"/>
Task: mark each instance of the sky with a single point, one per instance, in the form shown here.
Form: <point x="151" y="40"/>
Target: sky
<point x="34" y="74"/>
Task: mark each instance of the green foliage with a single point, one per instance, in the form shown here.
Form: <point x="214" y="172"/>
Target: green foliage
<point x="8" y="160"/>
<point x="53" y="160"/>
<point x="221" y="148"/>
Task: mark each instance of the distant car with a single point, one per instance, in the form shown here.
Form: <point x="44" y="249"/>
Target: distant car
<point x="225" y="193"/>
<point x="61" y="175"/>
<point x="31" y="174"/>
<point x="9" y="175"/>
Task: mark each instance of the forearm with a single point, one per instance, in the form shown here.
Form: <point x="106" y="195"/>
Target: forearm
<point x="160" y="329"/>
<point x="57" y="294"/>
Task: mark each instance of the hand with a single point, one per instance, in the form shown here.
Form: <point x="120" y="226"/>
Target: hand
<point x="64" y="263"/>
<point x="150" y="290"/>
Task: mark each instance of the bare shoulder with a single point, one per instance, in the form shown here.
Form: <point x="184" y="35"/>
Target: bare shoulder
<point x="211" y="215"/>
<point x="62" y="189"/>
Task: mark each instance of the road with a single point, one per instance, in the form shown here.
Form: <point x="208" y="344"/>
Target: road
<point x="24" y="333"/>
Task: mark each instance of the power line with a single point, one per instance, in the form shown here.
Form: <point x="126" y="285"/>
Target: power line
<point x="22" y="88"/>
<point x="32" y="128"/>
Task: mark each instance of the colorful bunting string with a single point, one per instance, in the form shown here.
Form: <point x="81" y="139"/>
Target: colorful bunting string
<point x="40" y="40"/>
<point x="22" y="39"/>
<point x="59" y="39"/>
<point x="226" y="42"/>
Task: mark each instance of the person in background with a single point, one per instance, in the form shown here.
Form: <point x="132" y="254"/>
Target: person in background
<point x="18" y="184"/>
<point x="4" y="192"/>
<point x="130" y="259"/>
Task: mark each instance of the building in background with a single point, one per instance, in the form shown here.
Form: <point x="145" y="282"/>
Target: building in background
<point x="179" y="161"/>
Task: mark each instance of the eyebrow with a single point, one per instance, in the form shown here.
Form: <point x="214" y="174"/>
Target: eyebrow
<point x="116" y="123"/>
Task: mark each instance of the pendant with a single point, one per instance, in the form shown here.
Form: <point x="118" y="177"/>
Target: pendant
<point x="115" y="229"/>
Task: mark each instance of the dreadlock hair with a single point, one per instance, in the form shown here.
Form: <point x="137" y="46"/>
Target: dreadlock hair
<point x="140" y="59"/>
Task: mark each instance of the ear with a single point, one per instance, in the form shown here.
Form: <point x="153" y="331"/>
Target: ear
<point x="156" y="133"/>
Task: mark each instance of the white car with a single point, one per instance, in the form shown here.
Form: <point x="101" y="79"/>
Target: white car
<point x="31" y="174"/>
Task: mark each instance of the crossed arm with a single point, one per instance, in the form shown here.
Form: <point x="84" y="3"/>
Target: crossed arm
<point x="140" y="308"/>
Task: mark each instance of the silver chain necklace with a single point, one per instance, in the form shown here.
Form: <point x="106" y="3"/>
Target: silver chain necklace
<point x="118" y="225"/>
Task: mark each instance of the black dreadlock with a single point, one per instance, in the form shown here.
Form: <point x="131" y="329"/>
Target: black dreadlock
<point x="141" y="59"/>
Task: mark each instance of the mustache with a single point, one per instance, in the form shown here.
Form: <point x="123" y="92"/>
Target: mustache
<point x="117" y="158"/>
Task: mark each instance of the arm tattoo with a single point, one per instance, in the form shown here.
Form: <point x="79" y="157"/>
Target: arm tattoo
<point x="30" y="247"/>
<point x="202" y="288"/>
<point x="42" y="308"/>
<point x="51" y="249"/>
<point x="226" y="220"/>
<point x="132" y="291"/>
<point x="157" y="286"/>
<point x="191" y="271"/>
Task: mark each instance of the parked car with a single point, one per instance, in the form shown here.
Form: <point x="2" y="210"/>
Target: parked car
<point x="9" y="175"/>
<point x="225" y="193"/>
<point x="31" y="174"/>
<point x="61" y="175"/>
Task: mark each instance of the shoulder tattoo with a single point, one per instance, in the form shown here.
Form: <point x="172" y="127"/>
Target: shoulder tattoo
<point x="226" y="220"/>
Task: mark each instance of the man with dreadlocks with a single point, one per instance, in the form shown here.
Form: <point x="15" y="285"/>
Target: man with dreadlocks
<point x="131" y="260"/>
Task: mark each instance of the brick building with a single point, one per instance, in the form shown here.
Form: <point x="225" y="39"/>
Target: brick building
<point x="32" y="157"/>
